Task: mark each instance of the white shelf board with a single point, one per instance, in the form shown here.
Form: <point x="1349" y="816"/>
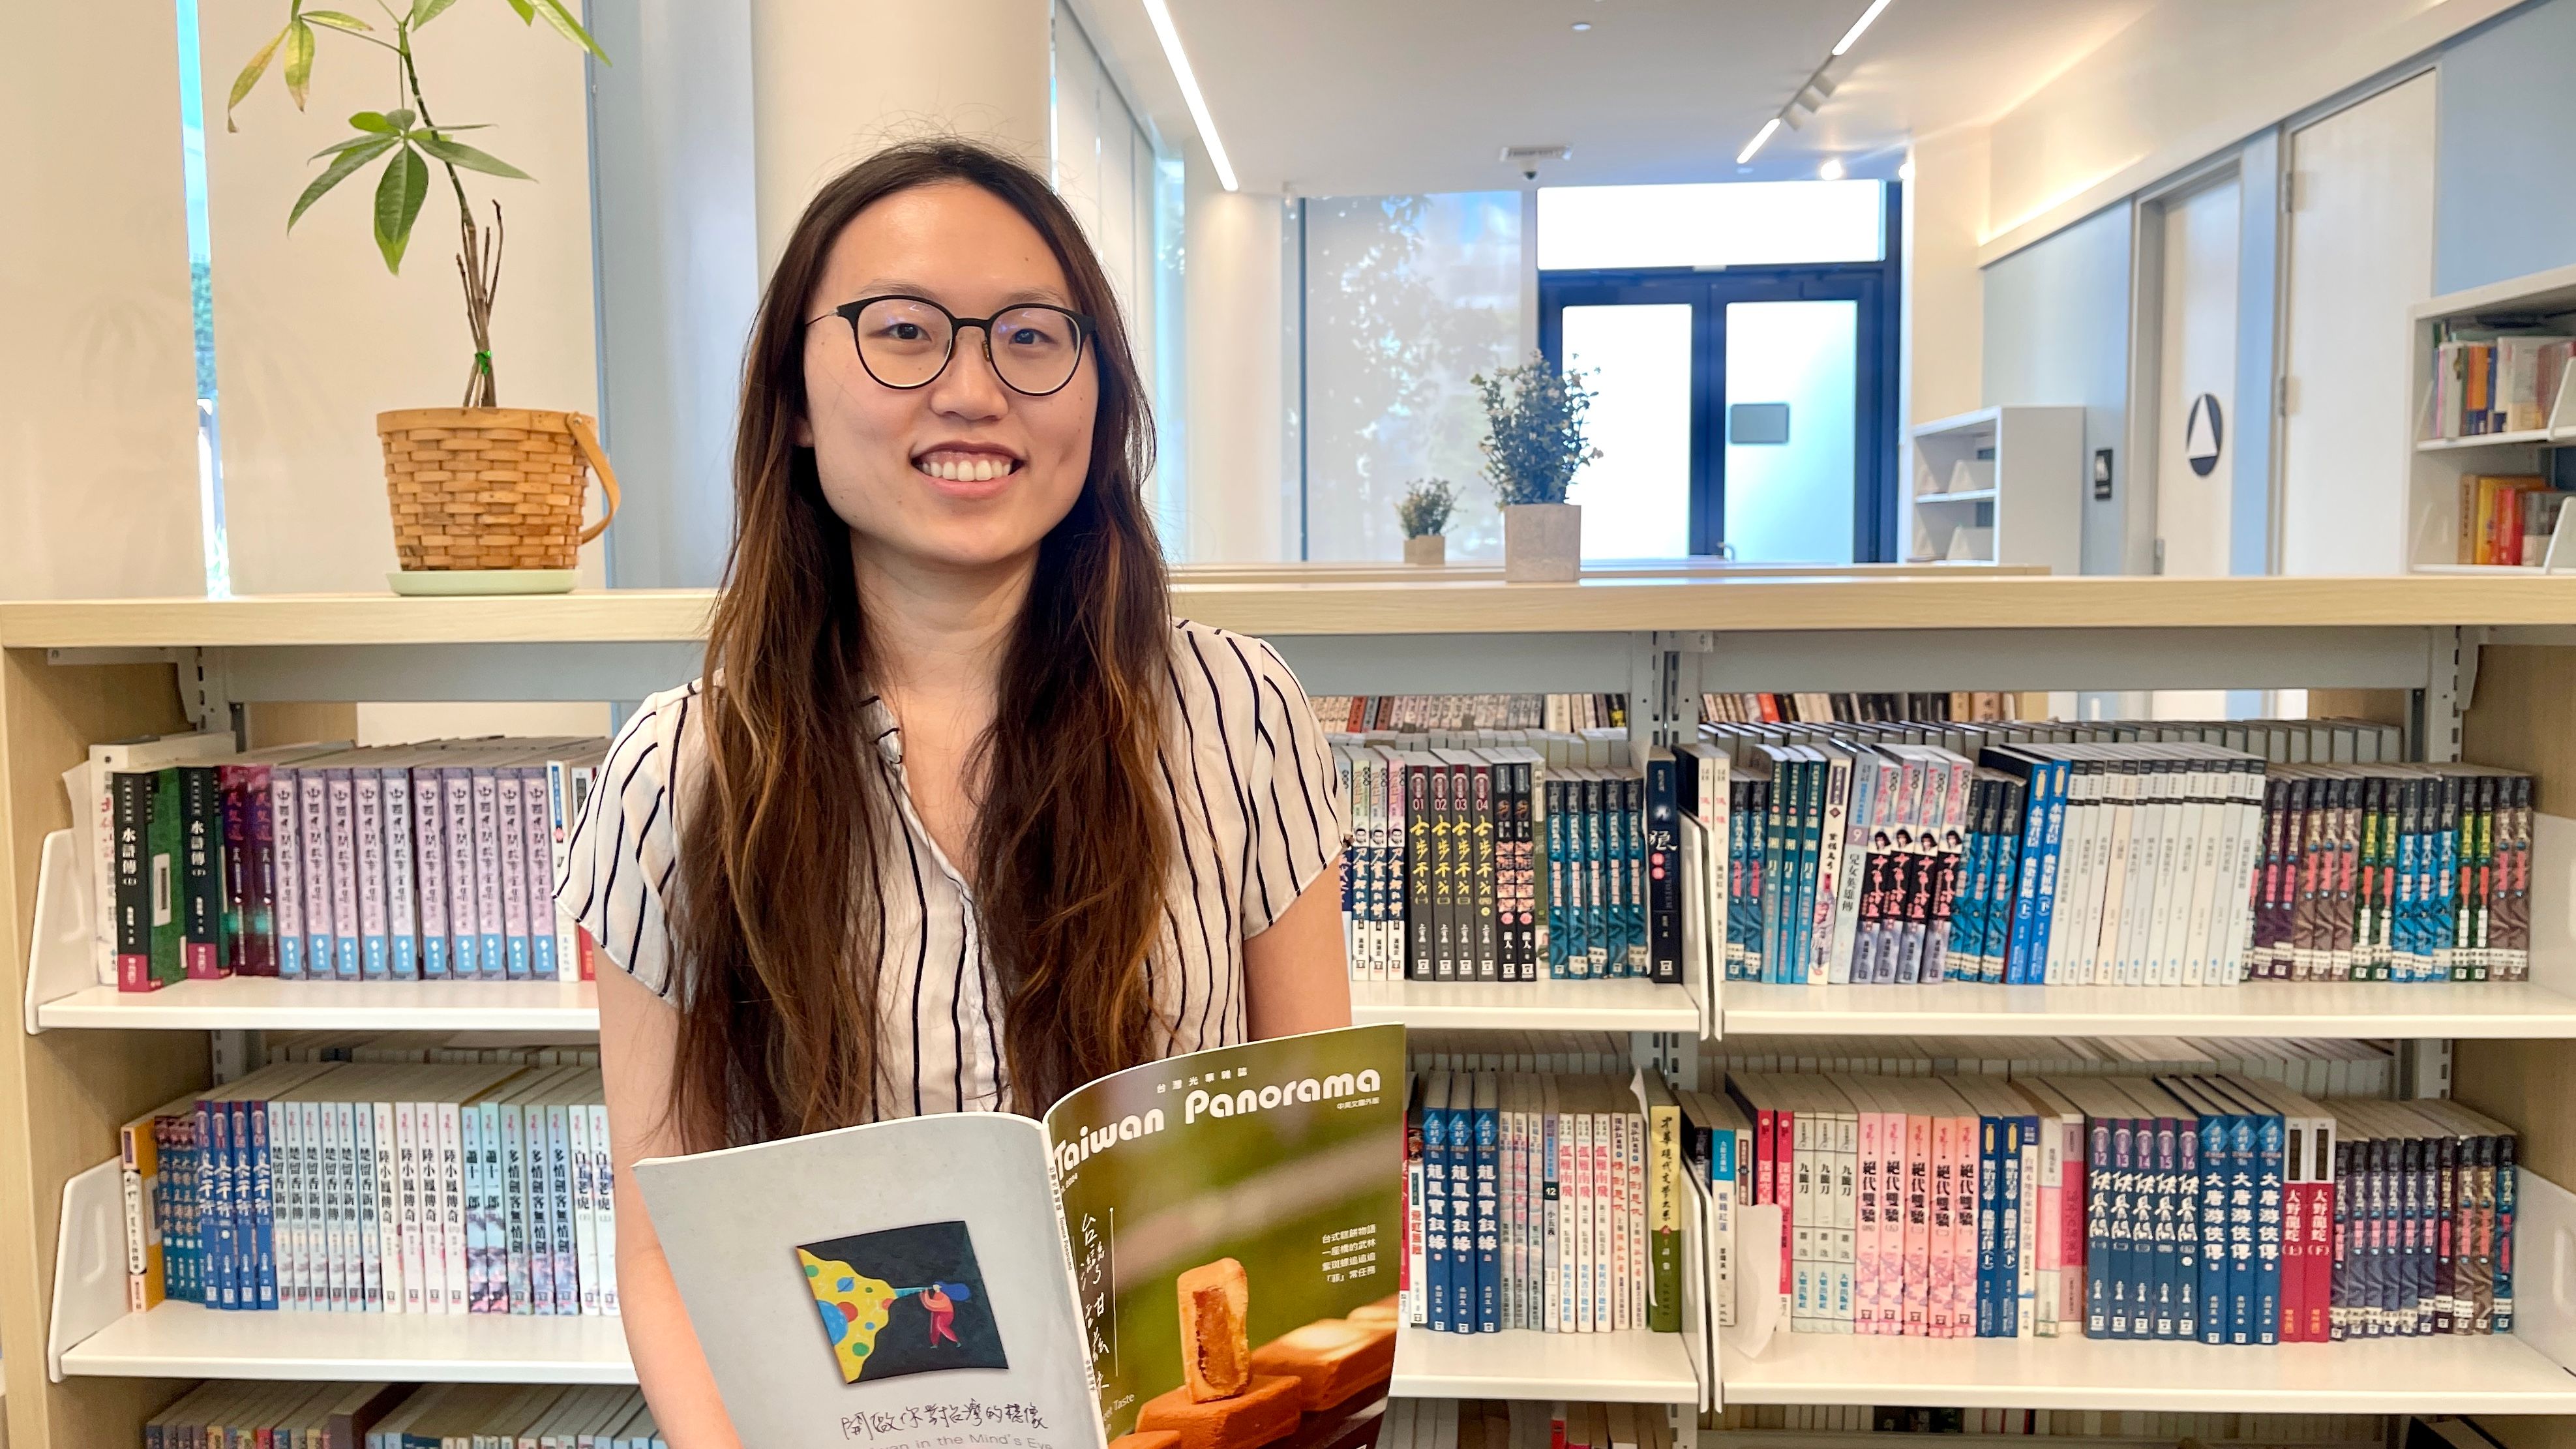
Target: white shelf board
<point x="251" y="1002"/>
<point x="2528" y="570"/>
<point x="2517" y="1010"/>
<point x="2499" y="1375"/>
<point x="2522" y="439"/>
<point x="1965" y="495"/>
<point x="1613" y="1004"/>
<point x="184" y="1340"/>
<point x="1635" y="1367"/>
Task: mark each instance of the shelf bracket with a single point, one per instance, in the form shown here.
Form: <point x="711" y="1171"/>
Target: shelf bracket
<point x="60" y="960"/>
<point x="2450" y="685"/>
<point x="89" y="1262"/>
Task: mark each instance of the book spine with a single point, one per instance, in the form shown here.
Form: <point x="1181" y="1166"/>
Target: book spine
<point x="449" y="1118"/>
<point x="130" y="831"/>
<point x="368" y="1285"/>
<point x="1484" y="918"/>
<point x="2099" y="1177"/>
<point x="1488" y="1202"/>
<point x="402" y="876"/>
<point x="584" y="1211"/>
<point x="341" y="826"/>
<point x="375" y="935"/>
<point x="478" y="1251"/>
<point x="603" y="1207"/>
<point x="202" y="879"/>
<point x="1663" y="876"/>
<point x="1990" y="1263"/>
<point x="559" y="1186"/>
<point x="392" y="1291"/>
<point x="514" y="1209"/>
<point x="536" y="815"/>
<point x="510" y="840"/>
<point x="283" y="853"/>
<point x="2020" y="1225"/>
<point x="464" y="934"/>
<point x="541" y="1218"/>
<point x="2170" y="1297"/>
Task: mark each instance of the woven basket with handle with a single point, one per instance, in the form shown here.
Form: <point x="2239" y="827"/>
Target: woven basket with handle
<point x="491" y="488"/>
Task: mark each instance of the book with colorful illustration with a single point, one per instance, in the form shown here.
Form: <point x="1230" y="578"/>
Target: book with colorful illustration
<point x="1197" y="1253"/>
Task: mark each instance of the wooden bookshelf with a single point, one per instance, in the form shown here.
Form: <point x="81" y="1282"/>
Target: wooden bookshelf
<point x="74" y="673"/>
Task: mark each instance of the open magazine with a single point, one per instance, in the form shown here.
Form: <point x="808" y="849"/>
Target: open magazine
<point x="1197" y="1253"/>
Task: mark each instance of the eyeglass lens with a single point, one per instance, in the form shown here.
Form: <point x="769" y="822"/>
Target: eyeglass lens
<point x="905" y="343"/>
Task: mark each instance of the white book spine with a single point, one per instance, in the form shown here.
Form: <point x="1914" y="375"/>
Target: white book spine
<point x="418" y="1214"/>
<point x="603" y="1206"/>
<point x="388" y="1191"/>
<point x="335" y="1210"/>
<point x="2066" y="938"/>
<point x="2026" y="1286"/>
<point x="451" y="1202"/>
<point x="585" y="1225"/>
<point x="2051" y="1235"/>
<point x="559" y="1188"/>
<point x="1830" y="842"/>
<point x="286" y="1142"/>
<point x="469" y="1156"/>
<point x="2106" y="949"/>
<point x="368" y="1287"/>
<point x="1846" y="1299"/>
<point x="514" y="1206"/>
<point x="559" y="823"/>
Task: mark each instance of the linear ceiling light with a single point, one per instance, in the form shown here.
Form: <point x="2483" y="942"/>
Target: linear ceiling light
<point x="1161" y="14"/>
<point x="1759" y="137"/>
<point x="1853" y="34"/>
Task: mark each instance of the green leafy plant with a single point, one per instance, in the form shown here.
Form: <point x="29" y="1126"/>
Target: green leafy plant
<point x="1534" y="441"/>
<point x="1426" y="507"/>
<point x="408" y="141"/>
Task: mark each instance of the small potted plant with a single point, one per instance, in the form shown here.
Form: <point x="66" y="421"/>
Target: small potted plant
<point x="1533" y="446"/>
<point x="485" y="499"/>
<point x="1424" y="512"/>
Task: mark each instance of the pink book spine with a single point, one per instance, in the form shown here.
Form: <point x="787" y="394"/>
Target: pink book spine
<point x="345" y="929"/>
<point x="367" y="788"/>
<point x="1963" y="1227"/>
<point x="312" y="805"/>
<point x="2051" y="1196"/>
<point x="2070" y="1230"/>
<point x="509" y="826"/>
<point x="1865" y="1248"/>
<point x="1916" y="1296"/>
<point x="1937" y="1317"/>
<point x="1890" y="1293"/>
<point x="456" y="784"/>
<point x="536" y="822"/>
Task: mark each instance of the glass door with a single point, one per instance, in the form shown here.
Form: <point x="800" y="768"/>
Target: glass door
<point x="1741" y="413"/>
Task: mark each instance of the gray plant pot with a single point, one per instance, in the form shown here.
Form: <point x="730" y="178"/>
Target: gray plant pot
<point x="1429" y="548"/>
<point x="1542" y="543"/>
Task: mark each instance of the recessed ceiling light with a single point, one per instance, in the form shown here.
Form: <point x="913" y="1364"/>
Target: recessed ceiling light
<point x="1161" y="15"/>
<point x="1832" y="170"/>
<point x="1582" y="25"/>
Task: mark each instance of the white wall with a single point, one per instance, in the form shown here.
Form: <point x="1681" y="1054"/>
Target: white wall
<point x="313" y="337"/>
<point x="2188" y="79"/>
<point x="98" y="436"/>
<point x="1104" y="171"/>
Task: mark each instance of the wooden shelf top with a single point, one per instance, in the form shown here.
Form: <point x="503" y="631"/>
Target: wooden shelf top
<point x="1963" y="599"/>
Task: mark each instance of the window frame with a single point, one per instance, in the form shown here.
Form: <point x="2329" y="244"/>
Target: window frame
<point x="1875" y="288"/>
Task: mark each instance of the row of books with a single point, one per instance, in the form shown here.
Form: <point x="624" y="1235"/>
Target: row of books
<point x="327" y="862"/>
<point x="1356" y="713"/>
<point x="2491" y="379"/>
<point x="2507" y="518"/>
<point x="2277" y="741"/>
<point x="1852" y="859"/>
<point x="2318" y="1067"/>
<point x="2214" y="1208"/>
<point x="1522" y="1424"/>
<point x="459" y="1048"/>
<point x="232" y="1413"/>
<point x="1550" y="1203"/>
<point x="377" y="1188"/>
<point x="1505" y="864"/>
<point x="1811" y="706"/>
<point x="2141" y="1427"/>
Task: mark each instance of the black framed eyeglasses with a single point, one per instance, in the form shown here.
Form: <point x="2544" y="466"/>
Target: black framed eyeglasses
<point x="906" y="342"/>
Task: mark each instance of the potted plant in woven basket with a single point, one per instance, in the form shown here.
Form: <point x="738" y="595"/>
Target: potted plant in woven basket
<point x="1424" y="512"/>
<point x="1533" y="446"/>
<point x="486" y="499"/>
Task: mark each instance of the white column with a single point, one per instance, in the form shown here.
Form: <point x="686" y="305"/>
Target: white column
<point x="1945" y="209"/>
<point x="1239" y="500"/>
<point x="833" y="80"/>
<point x="98" y="436"/>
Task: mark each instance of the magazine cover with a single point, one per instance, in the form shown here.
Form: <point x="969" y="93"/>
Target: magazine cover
<point x="1197" y="1253"/>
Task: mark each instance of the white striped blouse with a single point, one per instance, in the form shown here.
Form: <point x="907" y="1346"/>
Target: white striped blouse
<point x="1246" y="774"/>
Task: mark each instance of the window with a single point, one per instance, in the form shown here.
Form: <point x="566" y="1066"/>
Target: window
<point x="1721" y="224"/>
<point x="1405" y="297"/>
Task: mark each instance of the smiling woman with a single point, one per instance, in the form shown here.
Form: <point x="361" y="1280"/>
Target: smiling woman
<point x="958" y="816"/>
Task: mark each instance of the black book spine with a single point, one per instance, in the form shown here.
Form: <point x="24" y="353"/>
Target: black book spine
<point x="1480" y="779"/>
<point x="201" y="872"/>
<point x="1421" y="928"/>
<point x="1663" y="871"/>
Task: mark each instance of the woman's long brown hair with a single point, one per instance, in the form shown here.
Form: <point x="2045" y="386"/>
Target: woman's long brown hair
<point x="778" y="910"/>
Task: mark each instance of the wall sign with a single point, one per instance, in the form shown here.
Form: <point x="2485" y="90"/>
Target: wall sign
<point x="2203" y="433"/>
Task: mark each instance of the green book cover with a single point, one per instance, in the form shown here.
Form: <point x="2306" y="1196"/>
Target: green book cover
<point x="162" y="853"/>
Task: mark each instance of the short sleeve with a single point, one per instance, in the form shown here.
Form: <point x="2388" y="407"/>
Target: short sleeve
<point x="619" y="865"/>
<point x="1298" y="824"/>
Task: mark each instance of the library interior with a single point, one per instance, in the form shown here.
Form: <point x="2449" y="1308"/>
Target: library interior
<point x="1917" y="644"/>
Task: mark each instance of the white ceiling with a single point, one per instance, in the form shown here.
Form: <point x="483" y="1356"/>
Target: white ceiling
<point x="1362" y="97"/>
